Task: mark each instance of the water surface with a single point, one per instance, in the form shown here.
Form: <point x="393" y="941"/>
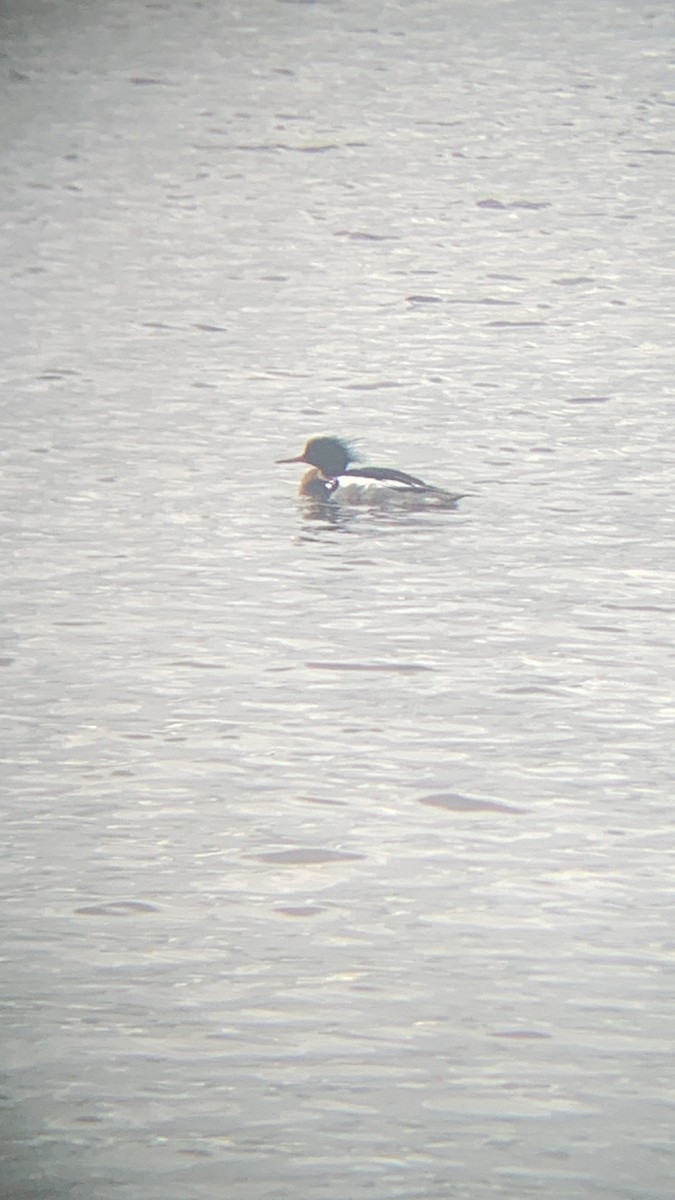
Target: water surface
<point x="339" y="849"/>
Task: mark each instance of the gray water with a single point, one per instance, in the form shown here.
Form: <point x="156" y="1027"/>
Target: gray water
<point x="339" y="851"/>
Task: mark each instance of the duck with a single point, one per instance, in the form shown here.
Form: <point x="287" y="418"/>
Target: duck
<point x="331" y="479"/>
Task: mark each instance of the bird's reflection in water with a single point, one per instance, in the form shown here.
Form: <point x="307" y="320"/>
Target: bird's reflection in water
<point x="321" y="520"/>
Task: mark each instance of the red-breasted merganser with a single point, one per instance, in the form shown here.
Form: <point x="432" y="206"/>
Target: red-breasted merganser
<point x="330" y="477"/>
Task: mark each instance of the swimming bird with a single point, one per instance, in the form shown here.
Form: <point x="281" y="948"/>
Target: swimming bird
<point x="330" y="479"/>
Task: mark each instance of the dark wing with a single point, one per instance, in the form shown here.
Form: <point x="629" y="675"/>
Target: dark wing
<point x="387" y="473"/>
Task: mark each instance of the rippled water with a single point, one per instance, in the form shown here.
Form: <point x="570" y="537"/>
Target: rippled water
<point x="340" y="847"/>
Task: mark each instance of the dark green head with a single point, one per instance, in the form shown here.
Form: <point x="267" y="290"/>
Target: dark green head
<point x="331" y="455"/>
